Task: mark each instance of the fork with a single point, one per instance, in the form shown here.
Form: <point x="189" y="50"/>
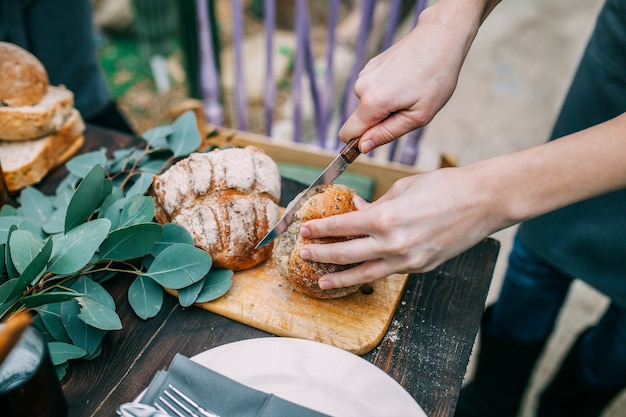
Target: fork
<point x="179" y="404"/>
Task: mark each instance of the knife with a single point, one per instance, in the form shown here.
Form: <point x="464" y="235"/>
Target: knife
<point x="347" y="155"/>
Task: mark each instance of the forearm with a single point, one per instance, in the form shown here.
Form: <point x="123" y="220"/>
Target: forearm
<point x="535" y="181"/>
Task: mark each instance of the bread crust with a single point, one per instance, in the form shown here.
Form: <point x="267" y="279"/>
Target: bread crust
<point x="303" y="274"/>
<point x="24" y="80"/>
<point x="26" y="163"/>
<point x="41" y="119"/>
<point x="227" y="200"/>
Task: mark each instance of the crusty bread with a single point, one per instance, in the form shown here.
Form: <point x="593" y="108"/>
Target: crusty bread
<point x="24" y="80"/>
<point x="227" y="199"/>
<point x="38" y="120"/>
<point x="303" y="275"/>
<point x="27" y="162"/>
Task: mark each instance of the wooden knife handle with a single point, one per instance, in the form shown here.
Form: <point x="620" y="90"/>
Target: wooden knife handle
<point x="351" y="150"/>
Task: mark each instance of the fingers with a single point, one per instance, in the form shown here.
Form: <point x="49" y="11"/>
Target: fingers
<point x="362" y="274"/>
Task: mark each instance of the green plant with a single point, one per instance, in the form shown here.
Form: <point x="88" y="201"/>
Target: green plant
<point x="58" y="250"/>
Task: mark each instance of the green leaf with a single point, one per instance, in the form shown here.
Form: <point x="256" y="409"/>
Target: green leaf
<point x="145" y="297"/>
<point x="98" y="315"/>
<point x="75" y="249"/>
<point x="56" y="222"/>
<point x="140" y="185"/>
<point x="8" y="261"/>
<point x="50" y="315"/>
<point x="179" y="266"/>
<point x="82" y="334"/>
<point x="172" y="233"/>
<point x="62" y="352"/>
<point x="33" y="270"/>
<point x="217" y="283"/>
<point x="153" y="166"/>
<point x="137" y="209"/>
<point x="88" y="196"/>
<point x="39" y="299"/>
<point x="185" y="137"/>
<point x="187" y="296"/>
<point x="82" y="164"/>
<point x="116" y="195"/>
<point x="6" y="289"/>
<point x="157" y="136"/>
<point x="5" y="225"/>
<point x="35" y="205"/>
<point x="130" y="242"/>
<point x="93" y="291"/>
<point x="24" y="246"/>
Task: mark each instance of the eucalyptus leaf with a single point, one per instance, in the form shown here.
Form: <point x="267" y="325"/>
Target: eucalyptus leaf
<point x="217" y="283"/>
<point x="109" y="200"/>
<point x="8" y="261"/>
<point x="172" y="233"/>
<point x="56" y="222"/>
<point x="6" y="223"/>
<point x="137" y="209"/>
<point x="34" y="269"/>
<point x="35" y="205"/>
<point x="185" y="137"/>
<point x="82" y="334"/>
<point x="75" y="249"/>
<point x="41" y="298"/>
<point x="114" y="212"/>
<point x="145" y="297"/>
<point x="156" y="136"/>
<point x="87" y="197"/>
<point x="62" y="352"/>
<point x="24" y="246"/>
<point x="188" y="295"/>
<point x="82" y="164"/>
<point x="50" y="315"/>
<point x="154" y="166"/>
<point x="93" y="291"/>
<point x="140" y="185"/>
<point x="130" y="242"/>
<point x="6" y="289"/>
<point x="8" y="210"/>
<point x="179" y="266"/>
<point x="61" y="370"/>
<point x="98" y="315"/>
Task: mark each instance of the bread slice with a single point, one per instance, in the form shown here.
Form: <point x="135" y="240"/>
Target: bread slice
<point x="27" y="162"/>
<point x="42" y="119"/>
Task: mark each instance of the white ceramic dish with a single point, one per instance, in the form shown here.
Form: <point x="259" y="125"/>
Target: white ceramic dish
<point x="314" y="375"/>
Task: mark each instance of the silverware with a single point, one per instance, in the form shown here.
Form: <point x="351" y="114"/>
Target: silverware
<point x="139" y="410"/>
<point x="174" y="401"/>
<point x="347" y="155"/>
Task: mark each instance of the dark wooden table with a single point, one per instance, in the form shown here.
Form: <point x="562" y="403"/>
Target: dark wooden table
<point x="433" y="331"/>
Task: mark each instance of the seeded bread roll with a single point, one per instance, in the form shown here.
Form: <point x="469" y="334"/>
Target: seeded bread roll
<point x="303" y="275"/>
<point x="227" y="199"/>
<point x="24" y="80"/>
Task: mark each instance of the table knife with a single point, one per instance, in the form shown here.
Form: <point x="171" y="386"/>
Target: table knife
<point x="347" y="155"/>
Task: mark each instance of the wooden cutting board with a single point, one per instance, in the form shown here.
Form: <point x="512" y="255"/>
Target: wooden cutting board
<point x="357" y="323"/>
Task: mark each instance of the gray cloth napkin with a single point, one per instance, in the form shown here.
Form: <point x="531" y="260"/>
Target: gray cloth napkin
<point x="220" y="394"/>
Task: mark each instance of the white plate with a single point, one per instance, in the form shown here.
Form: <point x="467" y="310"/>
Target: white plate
<point x="314" y="375"/>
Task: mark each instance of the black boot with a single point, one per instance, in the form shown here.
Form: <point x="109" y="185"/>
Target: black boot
<point x="504" y="368"/>
<point x="569" y="395"/>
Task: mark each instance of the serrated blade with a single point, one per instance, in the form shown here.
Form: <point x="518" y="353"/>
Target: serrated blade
<point x="347" y="155"/>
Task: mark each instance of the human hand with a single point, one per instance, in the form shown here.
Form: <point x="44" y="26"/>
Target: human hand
<point x="405" y="86"/>
<point x="418" y="224"/>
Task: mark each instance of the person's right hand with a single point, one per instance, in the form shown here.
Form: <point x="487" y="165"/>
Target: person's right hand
<point x="405" y="86"/>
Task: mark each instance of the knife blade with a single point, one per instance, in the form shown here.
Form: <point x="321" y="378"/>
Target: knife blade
<point x="347" y="155"/>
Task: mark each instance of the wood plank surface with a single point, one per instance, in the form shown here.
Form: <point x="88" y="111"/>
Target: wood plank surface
<point x="426" y="348"/>
<point x="261" y="298"/>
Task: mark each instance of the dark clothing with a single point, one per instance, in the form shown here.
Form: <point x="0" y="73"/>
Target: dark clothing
<point x="588" y="240"/>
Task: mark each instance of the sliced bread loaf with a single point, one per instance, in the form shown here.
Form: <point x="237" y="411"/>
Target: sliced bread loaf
<point x="36" y="121"/>
<point x="24" y="80"/>
<point x="26" y="162"/>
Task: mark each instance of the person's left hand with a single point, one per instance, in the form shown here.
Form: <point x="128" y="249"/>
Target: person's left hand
<point x="418" y="224"/>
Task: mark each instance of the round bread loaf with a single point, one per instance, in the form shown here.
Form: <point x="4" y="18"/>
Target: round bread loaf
<point x="24" y="80"/>
<point x="227" y="200"/>
<point x="302" y="274"/>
